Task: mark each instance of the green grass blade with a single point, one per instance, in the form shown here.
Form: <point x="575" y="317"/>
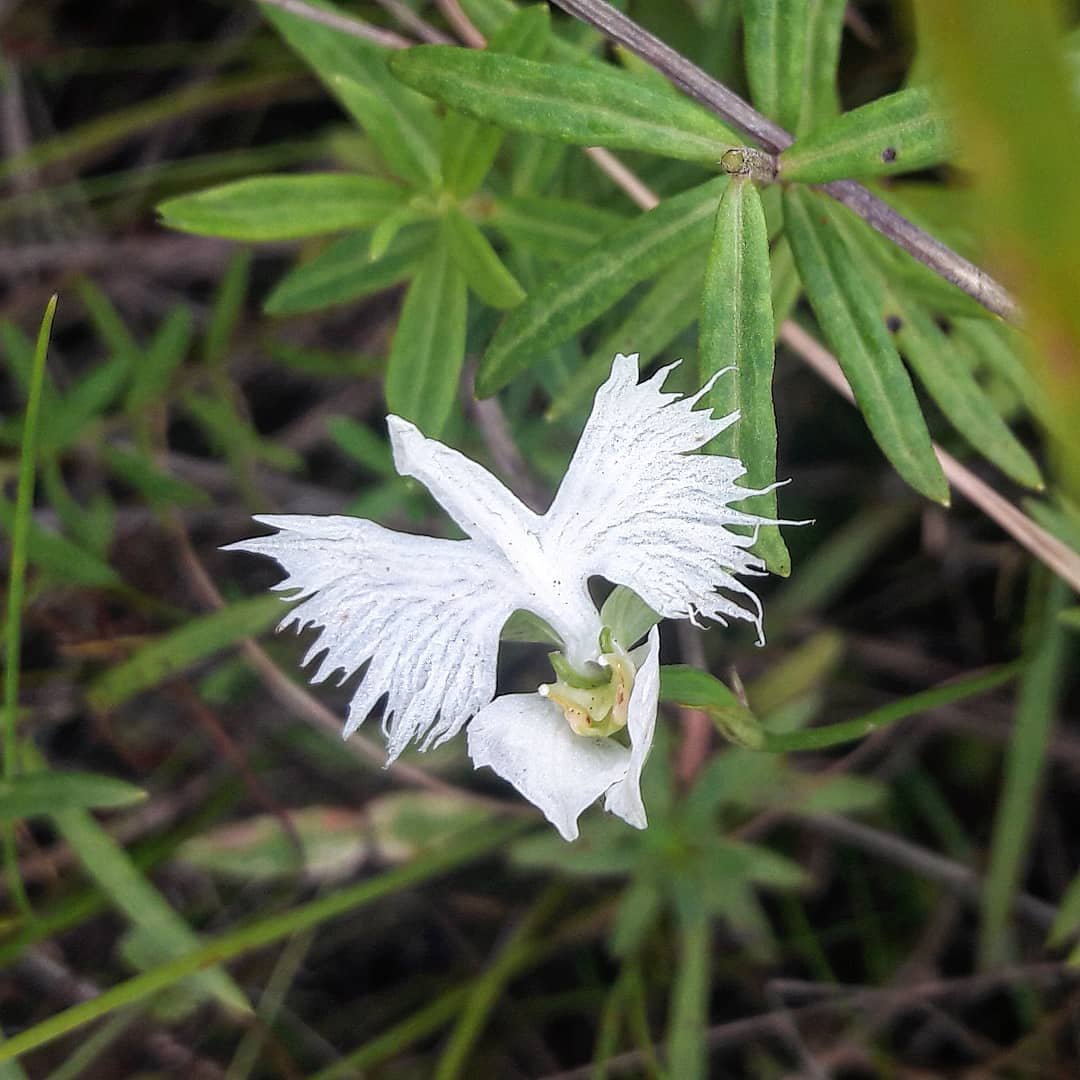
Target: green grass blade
<point x="1048" y="653"/>
<point x="901" y="132"/>
<point x="848" y="300"/>
<point x="851" y="730"/>
<point x="259" y="934"/>
<point x="159" y="925"/>
<point x="284" y="207"/>
<point x="737" y="329"/>
<point x="34" y="794"/>
<point x="585" y="289"/>
<point x="428" y="350"/>
<point x="582" y="105"/>
<point x="20" y="539"/>
<point x="227" y="309"/>
<point x="197" y="639"/>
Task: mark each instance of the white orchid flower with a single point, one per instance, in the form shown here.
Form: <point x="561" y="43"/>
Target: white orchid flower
<point x="637" y="506"/>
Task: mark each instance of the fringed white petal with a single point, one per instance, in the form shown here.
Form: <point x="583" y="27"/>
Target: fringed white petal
<point x="493" y="517"/>
<point x="640" y="508"/>
<point x="624" y="797"/>
<point x="526" y="740"/>
<point x="427" y="614"/>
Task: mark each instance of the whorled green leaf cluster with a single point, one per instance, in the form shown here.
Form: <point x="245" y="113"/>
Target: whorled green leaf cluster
<point x="477" y="206"/>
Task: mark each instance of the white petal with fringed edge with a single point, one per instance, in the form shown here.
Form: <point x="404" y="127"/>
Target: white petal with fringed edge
<point x="637" y="506"/>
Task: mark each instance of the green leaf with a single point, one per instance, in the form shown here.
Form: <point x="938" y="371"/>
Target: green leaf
<point x="1068" y="916"/>
<point x="652" y="323"/>
<point x="901" y="132"/>
<point x="160" y="489"/>
<point x="696" y="689"/>
<point x="227" y="308"/>
<point x="37" y="793"/>
<point x="629" y="617"/>
<point x="265" y="931"/>
<point x="150" y="378"/>
<point x="848" y="299"/>
<point x="476" y="259"/>
<point x="408" y="150"/>
<point x="59" y="557"/>
<point x="820" y="97"/>
<point x="792" y="49"/>
<point x="557" y="229"/>
<point x="469" y="146"/>
<point x="943" y="370"/>
<point x="428" y="351"/>
<point x="577" y="294"/>
<point x="737" y="329"/>
<point x="284" y="207"/>
<point x="775" y="52"/>
<point x="361" y="443"/>
<point x="850" y="730"/>
<point x="148" y="911"/>
<point x="333" y="842"/>
<point x="404" y="125"/>
<point x="197" y="639"/>
<point x="579" y="105"/>
<point x="345" y="272"/>
<point x="405" y="825"/>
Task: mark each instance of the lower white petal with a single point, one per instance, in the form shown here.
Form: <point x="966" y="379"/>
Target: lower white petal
<point x="526" y="740"/>
<point x="624" y="798"/>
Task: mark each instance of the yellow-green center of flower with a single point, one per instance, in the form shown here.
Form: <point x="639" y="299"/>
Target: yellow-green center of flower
<point x="595" y="702"/>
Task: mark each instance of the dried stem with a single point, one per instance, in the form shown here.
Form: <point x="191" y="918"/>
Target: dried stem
<point x="715" y="96"/>
<point x="344" y="23"/>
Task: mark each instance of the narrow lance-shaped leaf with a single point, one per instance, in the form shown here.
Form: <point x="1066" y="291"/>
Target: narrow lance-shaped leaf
<point x="943" y="370"/>
<point x="578" y="293"/>
<point x="469" y="146"/>
<point x="574" y="104"/>
<point x="820" y="98"/>
<point x="37" y="793"/>
<point x="429" y="344"/>
<point x="737" y="329"/>
<point x="400" y="123"/>
<point x="775" y="50"/>
<point x="409" y="151"/>
<point x="345" y="271"/>
<point x="476" y="259"/>
<point x="284" y="207"/>
<point x="846" y="294"/>
<point x="147" y="910"/>
<point x="556" y="229"/>
<point x="196" y="640"/>
<point x="652" y="323"/>
<point x="902" y="132"/>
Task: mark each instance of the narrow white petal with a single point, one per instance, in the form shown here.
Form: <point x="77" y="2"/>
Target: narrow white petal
<point x="624" y="797"/>
<point x="425" y="614"/>
<point x="640" y="508"/>
<point x="526" y="740"/>
<point x="494" y="517"/>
